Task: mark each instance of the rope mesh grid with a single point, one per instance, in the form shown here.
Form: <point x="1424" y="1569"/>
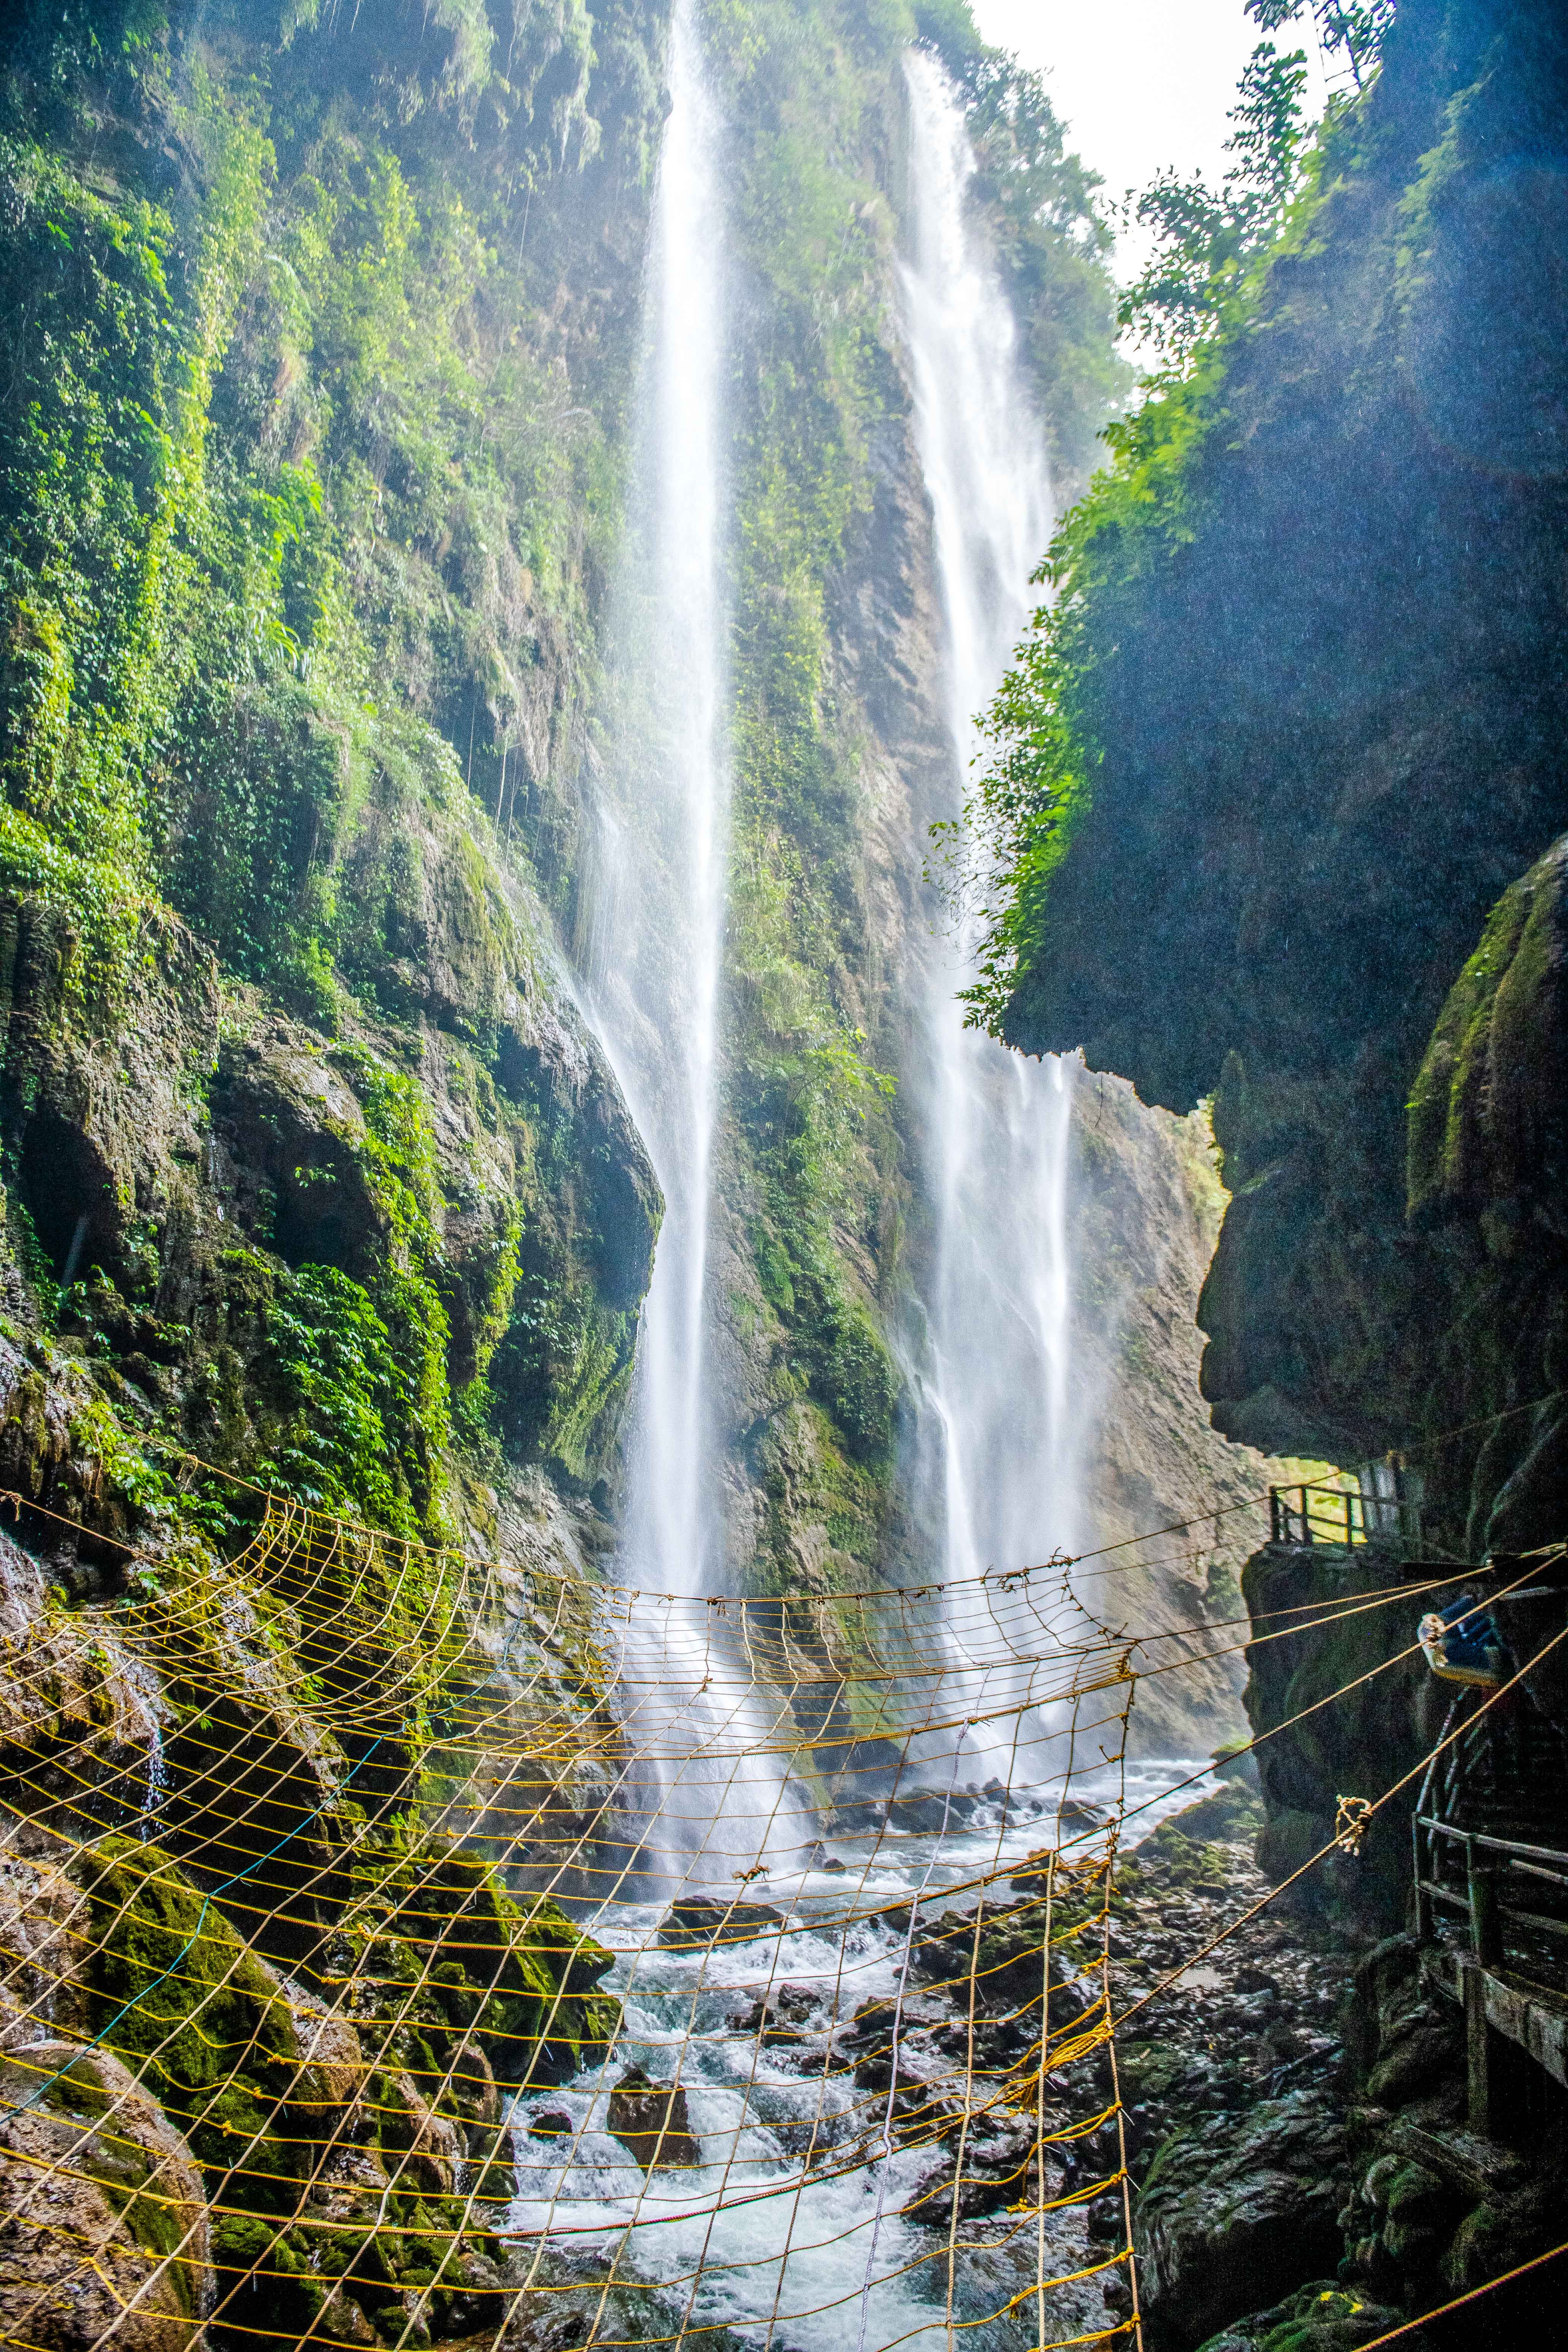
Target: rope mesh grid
<point x="508" y="1947"/>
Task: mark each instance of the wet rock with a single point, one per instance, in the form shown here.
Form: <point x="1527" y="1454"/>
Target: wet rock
<point x="1500" y="2233"/>
<point x="784" y="2017"/>
<point x="1226" y="2216"/>
<point x="550" y="2123"/>
<point x="100" y="2204"/>
<point x="1004" y="1964"/>
<point x="425" y="2150"/>
<point x="858" y="1819"/>
<point x="331" y="2046"/>
<point x="1420" y="2041"/>
<point x="548" y="2331"/>
<point x="343" y="2322"/>
<point x="1319" y="2317"/>
<point x="42" y="1946"/>
<point x="908" y="2064"/>
<point x="1233" y="1812"/>
<point x="289" y="1119"/>
<point x="81" y="1720"/>
<point x="925" y="1811"/>
<point x="698" y="1923"/>
<point x="650" y="2119"/>
<point x="1476" y="2167"/>
<point x="991" y="2172"/>
<point x="104" y="1133"/>
<point x="562" y="2296"/>
<point x="1157" y="2077"/>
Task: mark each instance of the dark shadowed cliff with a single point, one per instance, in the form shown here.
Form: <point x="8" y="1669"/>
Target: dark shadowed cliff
<point x="1311" y="656"/>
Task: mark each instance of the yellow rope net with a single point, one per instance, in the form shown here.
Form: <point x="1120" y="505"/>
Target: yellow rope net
<point x="402" y="1948"/>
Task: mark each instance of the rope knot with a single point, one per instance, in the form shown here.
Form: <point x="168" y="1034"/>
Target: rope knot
<point x="1350" y="1821"/>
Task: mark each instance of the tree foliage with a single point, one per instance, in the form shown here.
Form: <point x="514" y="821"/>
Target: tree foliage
<point x="1351" y="29"/>
<point x="1205" y="238"/>
<point x="1053" y="240"/>
<point x="1049" y="725"/>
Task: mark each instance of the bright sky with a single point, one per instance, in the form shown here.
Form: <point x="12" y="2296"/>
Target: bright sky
<point x="1140" y="83"/>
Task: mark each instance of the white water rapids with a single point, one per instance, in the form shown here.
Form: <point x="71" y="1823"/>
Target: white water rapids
<point x="794" y="2223"/>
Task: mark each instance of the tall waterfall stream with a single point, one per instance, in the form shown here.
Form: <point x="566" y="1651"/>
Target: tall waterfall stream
<point x="996" y="1445"/>
<point x="752" y="2240"/>
<point x="655" y="998"/>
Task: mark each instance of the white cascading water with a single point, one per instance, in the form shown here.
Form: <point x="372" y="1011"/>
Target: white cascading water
<point x="653" y="997"/>
<point x="661" y="1000"/>
<point x="997" y="1446"/>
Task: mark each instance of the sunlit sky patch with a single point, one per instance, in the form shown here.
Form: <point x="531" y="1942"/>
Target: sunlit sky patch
<point x="1141" y="84"/>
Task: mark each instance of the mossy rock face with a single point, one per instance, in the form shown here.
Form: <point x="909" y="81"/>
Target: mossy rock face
<point x="1233" y="1812"/>
<point x="77" y="1729"/>
<point x="1224" y="2212"/>
<point x="94" y="1134"/>
<point x="253" y="1774"/>
<point x="173" y="1989"/>
<point x="428" y="931"/>
<point x="446" y="1952"/>
<point x="1317" y="2318"/>
<point x="1488" y="1112"/>
<point x="339" y="2138"/>
<point x="124" y="2216"/>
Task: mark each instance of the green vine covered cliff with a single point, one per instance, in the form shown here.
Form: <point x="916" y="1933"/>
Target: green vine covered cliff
<point x="313" y="451"/>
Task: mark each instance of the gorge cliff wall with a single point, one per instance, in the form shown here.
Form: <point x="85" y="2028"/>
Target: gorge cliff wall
<point x="1297" y="847"/>
<point x="1320" y="696"/>
<point x="314" y="455"/>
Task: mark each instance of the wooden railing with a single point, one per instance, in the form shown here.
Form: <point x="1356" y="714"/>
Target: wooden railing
<point x="1497" y="1888"/>
<point x="1380" y="1509"/>
<point x="1491" y="1903"/>
<point x="1492" y="1875"/>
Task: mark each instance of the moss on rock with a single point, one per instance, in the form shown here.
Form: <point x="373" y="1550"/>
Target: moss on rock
<point x="1488" y="1127"/>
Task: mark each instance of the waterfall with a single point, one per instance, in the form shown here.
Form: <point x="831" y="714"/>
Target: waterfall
<point x="653" y="995"/>
<point x="663" y="887"/>
<point x="996" y="1444"/>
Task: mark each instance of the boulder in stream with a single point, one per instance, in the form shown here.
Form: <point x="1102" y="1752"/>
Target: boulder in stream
<point x="651" y="2120"/>
<point x="786" y="2016"/>
<point x="925" y="1811"/>
<point x="998" y="2158"/>
<point x="697" y="1923"/>
<point x="1228" y="2217"/>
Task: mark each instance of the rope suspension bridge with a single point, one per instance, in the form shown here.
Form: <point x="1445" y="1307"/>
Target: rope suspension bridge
<point x="400" y="1947"/>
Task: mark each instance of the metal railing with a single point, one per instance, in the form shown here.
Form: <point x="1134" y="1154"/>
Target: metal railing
<point x="1384" y="1507"/>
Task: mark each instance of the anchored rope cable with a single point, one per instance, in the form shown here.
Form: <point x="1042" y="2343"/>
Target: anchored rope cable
<point x="338" y="1919"/>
